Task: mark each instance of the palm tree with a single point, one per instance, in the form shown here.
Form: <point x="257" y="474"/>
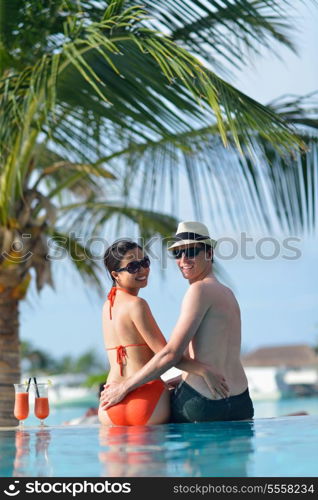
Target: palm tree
<point x="91" y="93"/>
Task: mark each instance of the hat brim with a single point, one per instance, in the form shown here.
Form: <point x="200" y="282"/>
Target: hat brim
<point x="181" y="243"/>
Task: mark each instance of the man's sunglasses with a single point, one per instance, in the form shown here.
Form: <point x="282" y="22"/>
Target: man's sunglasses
<point x="189" y="253"/>
<point x="134" y="266"/>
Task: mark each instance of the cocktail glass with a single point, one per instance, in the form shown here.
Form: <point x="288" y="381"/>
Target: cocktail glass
<point x="41" y="405"/>
<point x="21" y="404"/>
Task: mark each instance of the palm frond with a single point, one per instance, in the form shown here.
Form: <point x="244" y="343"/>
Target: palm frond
<point x="94" y="50"/>
<point x="225" y="33"/>
<point x="301" y="111"/>
<point x="257" y="201"/>
<point x="65" y="167"/>
<point x="90" y="217"/>
<point x="49" y="170"/>
<point x="80" y="256"/>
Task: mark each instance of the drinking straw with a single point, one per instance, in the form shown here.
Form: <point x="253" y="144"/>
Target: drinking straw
<point x="29" y="382"/>
<point x="36" y="387"/>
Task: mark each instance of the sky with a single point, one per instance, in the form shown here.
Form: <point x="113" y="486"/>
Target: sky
<point x="270" y="77"/>
<point x="278" y="297"/>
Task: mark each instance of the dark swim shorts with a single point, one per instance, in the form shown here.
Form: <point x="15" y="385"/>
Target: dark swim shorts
<point x="188" y="405"/>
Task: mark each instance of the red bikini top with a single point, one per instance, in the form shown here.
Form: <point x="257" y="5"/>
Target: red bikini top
<point x="121" y="349"/>
<point x="111" y="297"/>
<point x="122" y="354"/>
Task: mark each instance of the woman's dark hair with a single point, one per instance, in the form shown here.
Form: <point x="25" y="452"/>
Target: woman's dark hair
<point x="115" y="253"/>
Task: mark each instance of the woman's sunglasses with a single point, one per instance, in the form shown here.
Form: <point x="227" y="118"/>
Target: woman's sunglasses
<point x="189" y="253"/>
<point x="134" y="266"/>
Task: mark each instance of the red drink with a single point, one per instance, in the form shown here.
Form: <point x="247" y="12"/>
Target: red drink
<point x="41" y="408"/>
<point x="21" y="406"/>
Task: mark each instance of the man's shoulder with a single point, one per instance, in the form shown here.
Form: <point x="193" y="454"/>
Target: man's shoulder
<point x="209" y="288"/>
<point x="201" y="289"/>
<point x="215" y="285"/>
<point x="206" y="285"/>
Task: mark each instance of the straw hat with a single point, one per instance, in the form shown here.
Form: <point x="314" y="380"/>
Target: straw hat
<point x="192" y="232"/>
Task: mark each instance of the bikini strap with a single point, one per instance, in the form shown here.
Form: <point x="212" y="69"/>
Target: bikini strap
<point x="111" y="297"/>
<point x="122" y="354"/>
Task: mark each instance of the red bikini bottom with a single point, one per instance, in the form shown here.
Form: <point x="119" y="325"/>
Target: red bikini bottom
<point x="137" y="407"/>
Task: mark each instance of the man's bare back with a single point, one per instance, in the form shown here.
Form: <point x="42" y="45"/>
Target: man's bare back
<point x="217" y="341"/>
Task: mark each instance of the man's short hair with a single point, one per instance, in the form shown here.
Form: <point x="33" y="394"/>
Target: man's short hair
<point x="208" y="248"/>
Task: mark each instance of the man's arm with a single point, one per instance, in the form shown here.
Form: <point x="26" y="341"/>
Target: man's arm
<point x="148" y="328"/>
<point x="194" y="308"/>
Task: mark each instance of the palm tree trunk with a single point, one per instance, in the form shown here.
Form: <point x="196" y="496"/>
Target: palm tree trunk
<point x="9" y="355"/>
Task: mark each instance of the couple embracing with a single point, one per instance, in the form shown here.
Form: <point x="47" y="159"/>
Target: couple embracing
<point x="205" y="343"/>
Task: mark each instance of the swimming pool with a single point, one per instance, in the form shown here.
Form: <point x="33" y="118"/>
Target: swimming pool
<point x="265" y="447"/>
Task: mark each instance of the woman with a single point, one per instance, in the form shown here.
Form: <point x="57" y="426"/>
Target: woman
<point x="132" y="336"/>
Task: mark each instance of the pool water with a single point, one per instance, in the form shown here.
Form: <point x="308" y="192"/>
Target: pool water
<point x="286" y="446"/>
<point x="263" y="409"/>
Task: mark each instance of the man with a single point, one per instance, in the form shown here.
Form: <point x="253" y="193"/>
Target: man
<point x="208" y="329"/>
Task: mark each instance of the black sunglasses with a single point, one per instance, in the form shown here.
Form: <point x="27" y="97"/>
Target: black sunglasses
<point x="134" y="266"/>
<point x="189" y="253"/>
